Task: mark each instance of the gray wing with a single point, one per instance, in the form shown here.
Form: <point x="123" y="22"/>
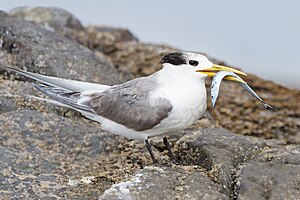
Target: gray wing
<point x="129" y="104"/>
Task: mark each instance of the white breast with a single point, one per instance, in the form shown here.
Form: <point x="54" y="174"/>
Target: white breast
<point x="188" y="98"/>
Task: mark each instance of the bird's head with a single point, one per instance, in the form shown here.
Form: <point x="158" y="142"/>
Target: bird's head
<point x="196" y="62"/>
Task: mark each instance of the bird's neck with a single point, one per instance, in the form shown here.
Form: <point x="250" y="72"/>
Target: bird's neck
<point x="175" y="75"/>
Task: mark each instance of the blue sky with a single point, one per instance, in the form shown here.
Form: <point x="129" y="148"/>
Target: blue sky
<point x="261" y="37"/>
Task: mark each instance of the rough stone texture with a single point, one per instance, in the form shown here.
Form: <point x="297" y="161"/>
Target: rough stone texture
<point x="53" y="153"/>
<point x="269" y="181"/>
<point x="104" y="38"/>
<point x="49" y="152"/>
<point x="51" y="18"/>
<point x="219" y="152"/>
<point x="216" y="164"/>
<point x="273" y="174"/>
<point x="166" y="183"/>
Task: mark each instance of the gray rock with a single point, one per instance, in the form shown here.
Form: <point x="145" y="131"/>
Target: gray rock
<point x="269" y="181"/>
<point x="51" y="18"/>
<point x="39" y="50"/>
<point x="280" y="153"/>
<point x="58" y="20"/>
<point x="220" y="152"/>
<point x="272" y="174"/>
<point x="224" y="154"/>
<point x="166" y="183"/>
<point x="217" y="164"/>
<point x="46" y="154"/>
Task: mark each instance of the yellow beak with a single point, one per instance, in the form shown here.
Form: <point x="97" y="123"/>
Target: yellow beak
<point x="211" y="72"/>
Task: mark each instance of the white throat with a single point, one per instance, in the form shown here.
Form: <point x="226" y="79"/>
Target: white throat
<point x="185" y="75"/>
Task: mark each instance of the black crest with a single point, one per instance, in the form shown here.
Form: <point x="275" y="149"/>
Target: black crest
<point x="176" y="58"/>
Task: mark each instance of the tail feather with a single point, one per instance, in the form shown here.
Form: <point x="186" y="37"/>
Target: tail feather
<point x="87" y="114"/>
<point x="64" y="92"/>
<point x="67" y="84"/>
<point x="63" y="96"/>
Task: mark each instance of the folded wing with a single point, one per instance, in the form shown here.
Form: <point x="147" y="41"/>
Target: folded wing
<point x="129" y="104"/>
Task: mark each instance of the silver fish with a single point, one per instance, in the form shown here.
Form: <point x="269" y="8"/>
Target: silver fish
<point x="216" y="82"/>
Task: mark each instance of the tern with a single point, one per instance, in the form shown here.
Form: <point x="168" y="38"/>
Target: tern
<point x="166" y="101"/>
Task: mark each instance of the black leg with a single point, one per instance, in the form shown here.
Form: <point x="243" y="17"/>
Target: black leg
<point x="148" y="145"/>
<point x="171" y="154"/>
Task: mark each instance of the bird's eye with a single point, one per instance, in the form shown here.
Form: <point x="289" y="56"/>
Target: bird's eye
<point x="193" y="62"/>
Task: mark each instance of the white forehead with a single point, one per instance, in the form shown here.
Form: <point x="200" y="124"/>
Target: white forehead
<point x="195" y="56"/>
<point x="203" y="60"/>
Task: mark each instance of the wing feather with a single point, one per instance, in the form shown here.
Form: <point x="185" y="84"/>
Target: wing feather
<point x="130" y="104"/>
